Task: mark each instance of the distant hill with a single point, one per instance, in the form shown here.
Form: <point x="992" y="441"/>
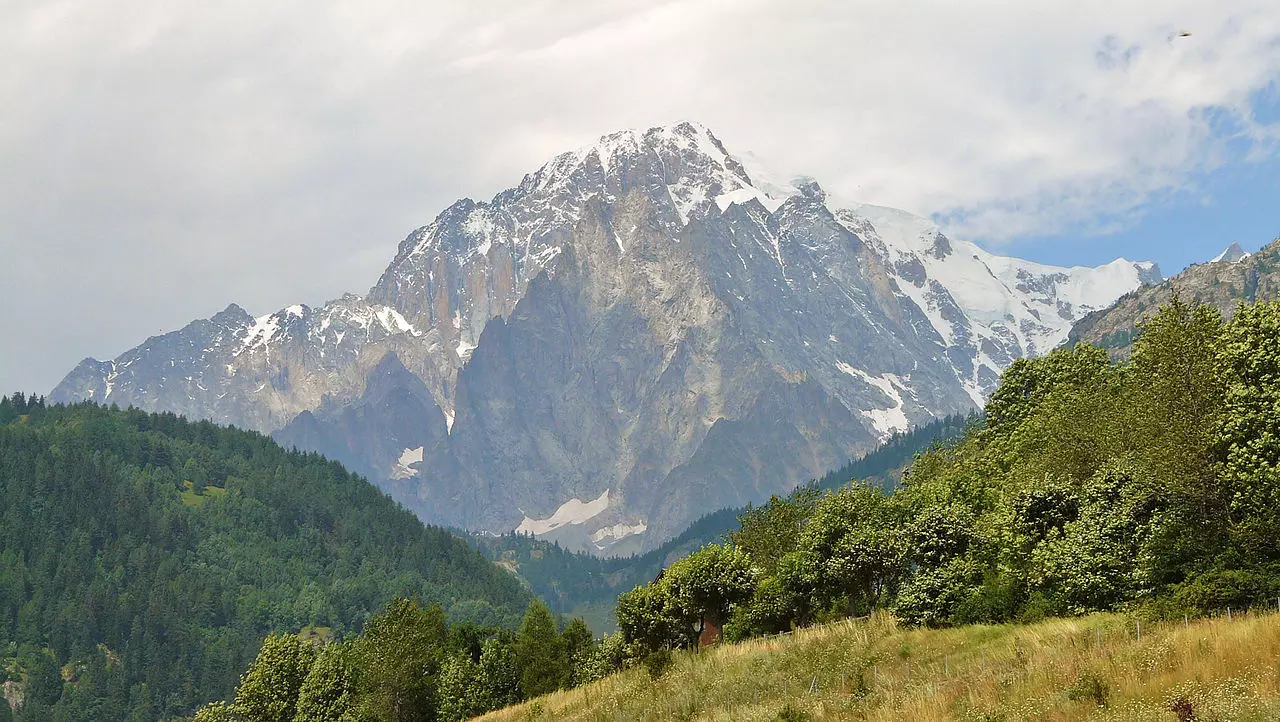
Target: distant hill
<point x="573" y="581"/>
<point x="144" y="557"/>
<point x="1231" y="278"/>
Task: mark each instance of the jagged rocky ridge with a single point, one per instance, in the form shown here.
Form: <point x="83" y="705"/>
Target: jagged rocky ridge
<point x="642" y="331"/>
<point x="1231" y="278"/>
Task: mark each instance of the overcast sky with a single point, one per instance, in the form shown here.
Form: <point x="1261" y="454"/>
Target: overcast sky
<point x="159" y="160"/>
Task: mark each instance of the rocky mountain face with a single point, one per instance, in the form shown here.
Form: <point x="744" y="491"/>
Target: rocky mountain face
<point x="642" y="331"/>
<point x="1229" y="279"/>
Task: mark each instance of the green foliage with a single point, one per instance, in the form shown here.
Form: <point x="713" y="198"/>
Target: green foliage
<point x="1248" y="439"/>
<point x="611" y="655"/>
<point x="540" y="653"/>
<point x="399" y="657"/>
<point x="1090" y="687"/>
<point x="498" y="675"/>
<point x="650" y="617"/>
<point x="579" y="646"/>
<point x="858" y="547"/>
<point x="707" y="583"/>
<point x="163" y="605"/>
<point x="657" y="663"/>
<point x="268" y="692"/>
<point x="458" y="699"/>
<point x="217" y="712"/>
<point x="328" y="694"/>
<point x="768" y="533"/>
<point x="1092" y="486"/>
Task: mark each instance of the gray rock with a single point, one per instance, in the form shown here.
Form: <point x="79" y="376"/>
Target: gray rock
<point x="636" y="334"/>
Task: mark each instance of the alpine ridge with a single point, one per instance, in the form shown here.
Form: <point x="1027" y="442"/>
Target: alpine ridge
<point x="643" y="330"/>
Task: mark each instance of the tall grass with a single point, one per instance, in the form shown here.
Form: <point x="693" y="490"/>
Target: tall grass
<point x="1092" y="668"/>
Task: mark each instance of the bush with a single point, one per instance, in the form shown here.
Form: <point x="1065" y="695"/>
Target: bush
<point x="791" y="713"/>
<point x="658" y="663"/>
<point x="1089" y="687"/>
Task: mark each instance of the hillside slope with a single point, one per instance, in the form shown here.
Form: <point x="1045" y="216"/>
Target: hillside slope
<point x="1234" y="277"/>
<point x="146" y="556"/>
<point x="1091" y="668"/>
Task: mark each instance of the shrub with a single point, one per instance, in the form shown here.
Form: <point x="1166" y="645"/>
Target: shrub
<point x="1089" y="687"/>
<point x="658" y="663"/>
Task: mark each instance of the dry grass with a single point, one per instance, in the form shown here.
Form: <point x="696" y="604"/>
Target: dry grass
<point x="871" y="670"/>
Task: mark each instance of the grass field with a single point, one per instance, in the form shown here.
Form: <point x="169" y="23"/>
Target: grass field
<point x="1089" y="668"/>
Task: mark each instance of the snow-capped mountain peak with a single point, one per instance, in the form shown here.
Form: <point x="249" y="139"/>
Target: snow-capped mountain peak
<point x="1231" y="254"/>
<point x="649" y="321"/>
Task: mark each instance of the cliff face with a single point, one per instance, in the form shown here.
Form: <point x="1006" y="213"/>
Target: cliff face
<point x="636" y="334"/>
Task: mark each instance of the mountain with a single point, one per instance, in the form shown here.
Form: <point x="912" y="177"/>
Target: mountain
<point x="144" y="557"/>
<point x="1231" y="278"/>
<point x="645" y="329"/>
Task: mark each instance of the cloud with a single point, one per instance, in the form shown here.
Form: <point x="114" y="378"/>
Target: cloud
<point x="165" y="158"/>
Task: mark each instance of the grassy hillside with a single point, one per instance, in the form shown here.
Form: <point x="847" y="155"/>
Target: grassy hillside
<point x="144" y="557"/>
<point x="1088" y="668"/>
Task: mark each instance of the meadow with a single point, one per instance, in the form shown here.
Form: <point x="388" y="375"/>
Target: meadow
<point x="1100" y="667"/>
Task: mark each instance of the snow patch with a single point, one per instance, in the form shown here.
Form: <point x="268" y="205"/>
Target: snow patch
<point x="573" y="511"/>
<point x="260" y="333"/>
<point x="617" y="532"/>
<point x="1231" y="254"/>
<point x="403" y="468"/>
<point x="886" y="421"/>
<point x="464" y="350"/>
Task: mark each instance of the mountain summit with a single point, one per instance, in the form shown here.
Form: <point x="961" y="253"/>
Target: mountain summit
<point x="641" y="331"/>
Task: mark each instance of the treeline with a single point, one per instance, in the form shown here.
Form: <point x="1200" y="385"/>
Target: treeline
<point x="409" y="665"/>
<point x="1150" y="485"/>
<point x="144" y="557"/>
<point x="567" y="580"/>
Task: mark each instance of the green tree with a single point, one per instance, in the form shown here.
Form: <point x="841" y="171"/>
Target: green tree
<point x="1027" y="383"/>
<point x="44" y="679"/>
<point x="459" y="698"/>
<point x="217" y="712"/>
<point x="328" y="694"/>
<point x="1248" y="439"/>
<point x="769" y="532"/>
<point x="650" y="617"/>
<point x="497" y="674"/>
<point x="268" y="691"/>
<point x="858" y="545"/>
<point x="399" y="657"/>
<point x="540" y="654"/>
<point x="579" y="645"/>
<point x="707" y="583"/>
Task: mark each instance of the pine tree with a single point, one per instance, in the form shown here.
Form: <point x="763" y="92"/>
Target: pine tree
<point x="540" y="655"/>
<point x="579" y="645"/>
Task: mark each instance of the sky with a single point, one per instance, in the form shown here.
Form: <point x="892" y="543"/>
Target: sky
<point x="162" y="159"/>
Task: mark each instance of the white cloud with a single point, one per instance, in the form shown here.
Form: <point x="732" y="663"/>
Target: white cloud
<point x="270" y="152"/>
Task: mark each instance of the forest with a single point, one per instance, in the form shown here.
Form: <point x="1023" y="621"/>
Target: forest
<point x="143" y="558"/>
